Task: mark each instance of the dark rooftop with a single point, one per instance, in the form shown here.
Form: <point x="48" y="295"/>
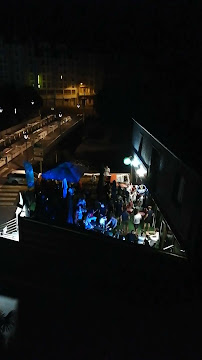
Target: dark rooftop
<point x="84" y="297"/>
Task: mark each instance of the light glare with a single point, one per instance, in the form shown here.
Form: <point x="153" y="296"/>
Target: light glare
<point x="127" y="161"/>
<point x="141" y="172"/>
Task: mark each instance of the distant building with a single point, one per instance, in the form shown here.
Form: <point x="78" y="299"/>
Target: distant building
<point x="63" y="79"/>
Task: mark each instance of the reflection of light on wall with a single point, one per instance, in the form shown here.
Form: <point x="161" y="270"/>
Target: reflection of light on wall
<point x="135" y="161"/>
<point x="141" y="172"/>
<point x="7" y="305"/>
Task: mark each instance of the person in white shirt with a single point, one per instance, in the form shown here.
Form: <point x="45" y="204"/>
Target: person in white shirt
<point x="137" y="218"/>
<point x="154" y="238"/>
<point x="107" y="171"/>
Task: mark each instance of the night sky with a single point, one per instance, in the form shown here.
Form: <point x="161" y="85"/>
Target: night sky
<point x="145" y="26"/>
<point x="165" y="35"/>
<point x="161" y="40"/>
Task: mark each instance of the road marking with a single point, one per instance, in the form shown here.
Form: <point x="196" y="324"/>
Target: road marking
<point x="8" y="195"/>
<point x="5" y="198"/>
<point x="7" y="204"/>
<point x="11" y="191"/>
<point x="13" y="187"/>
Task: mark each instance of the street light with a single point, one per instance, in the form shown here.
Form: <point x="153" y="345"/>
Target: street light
<point x="32" y="102"/>
<point x="26" y="136"/>
<point x="1" y="110"/>
<point x="140" y="169"/>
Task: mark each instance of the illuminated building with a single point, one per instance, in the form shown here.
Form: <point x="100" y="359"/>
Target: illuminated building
<point x="63" y="79"/>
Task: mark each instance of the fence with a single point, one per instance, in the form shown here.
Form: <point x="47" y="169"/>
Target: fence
<point x="9" y="230"/>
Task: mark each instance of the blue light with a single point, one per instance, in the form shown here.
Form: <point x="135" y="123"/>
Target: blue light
<point x="72" y="173"/>
<point x="29" y="174"/>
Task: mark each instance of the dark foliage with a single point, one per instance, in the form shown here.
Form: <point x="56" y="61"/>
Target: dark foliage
<point x="25" y="100"/>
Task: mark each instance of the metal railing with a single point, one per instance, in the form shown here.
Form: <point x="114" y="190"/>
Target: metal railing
<point x="9" y="230"/>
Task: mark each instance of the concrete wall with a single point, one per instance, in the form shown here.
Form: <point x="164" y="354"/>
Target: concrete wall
<point x="183" y="218"/>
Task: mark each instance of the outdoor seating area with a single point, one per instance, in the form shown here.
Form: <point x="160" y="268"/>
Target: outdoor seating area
<point x="66" y="196"/>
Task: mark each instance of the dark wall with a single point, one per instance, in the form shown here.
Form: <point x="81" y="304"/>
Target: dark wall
<point x="183" y="218"/>
<point x="104" y="262"/>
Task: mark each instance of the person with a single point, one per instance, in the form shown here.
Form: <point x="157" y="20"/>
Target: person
<point x="113" y="190"/>
<point x="119" y="190"/>
<point x="141" y="238"/>
<point x="103" y="210"/>
<point x="129" y="208"/>
<point x="131" y="237"/>
<point x="148" y="219"/>
<point x="140" y="201"/>
<point x="133" y="196"/>
<point x="107" y="171"/>
<point x="146" y="242"/>
<point x="93" y="178"/>
<point x="125" y="218"/>
<point x="112" y="223"/>
<point x="154" y="238"/>
<point x="78" y="215"/>
<point x="137" y="218"/>
<point x="90" y="218"/>
<point x="65" y="187"/>
<point x="82" y="202"/>
<point x="141" y="189"/>
<point x="119" y="210"/>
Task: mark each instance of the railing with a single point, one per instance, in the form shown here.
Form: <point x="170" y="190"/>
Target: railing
<point x="9" y="230"/>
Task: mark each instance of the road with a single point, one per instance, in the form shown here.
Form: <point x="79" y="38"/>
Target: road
<point x="9" y="194"/>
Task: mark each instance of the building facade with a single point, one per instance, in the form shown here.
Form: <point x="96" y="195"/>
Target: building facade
<point x="175" y="188"/>
<point x="63" y="79"/>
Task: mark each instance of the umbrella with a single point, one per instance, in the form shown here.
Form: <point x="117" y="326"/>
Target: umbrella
<point x="67" y="170"/>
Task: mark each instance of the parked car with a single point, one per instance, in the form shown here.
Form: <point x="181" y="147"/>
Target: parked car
<point x="18" y="177"/>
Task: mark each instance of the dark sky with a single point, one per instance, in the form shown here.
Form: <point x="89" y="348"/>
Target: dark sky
<point x="147" y="26"/>
<point x="164" y="37"/>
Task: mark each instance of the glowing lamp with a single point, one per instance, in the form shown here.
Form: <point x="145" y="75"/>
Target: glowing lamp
<point x="127" y="161"/>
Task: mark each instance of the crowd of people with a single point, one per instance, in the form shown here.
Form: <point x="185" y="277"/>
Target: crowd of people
<point x="118" y="210"/>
